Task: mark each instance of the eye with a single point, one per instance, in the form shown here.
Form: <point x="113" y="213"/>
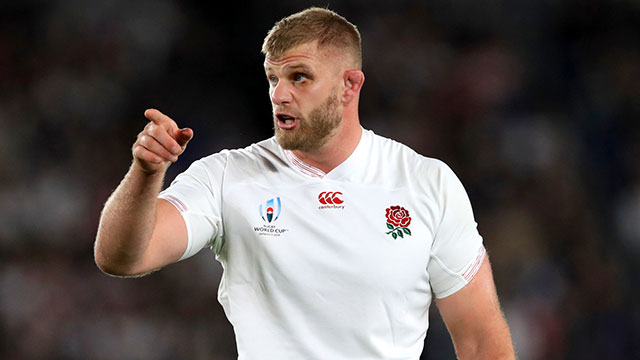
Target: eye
<point x="273" y="80"/>
<point x="299" y="77"/>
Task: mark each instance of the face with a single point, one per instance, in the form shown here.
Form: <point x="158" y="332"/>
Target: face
<point x="303" y="86"/>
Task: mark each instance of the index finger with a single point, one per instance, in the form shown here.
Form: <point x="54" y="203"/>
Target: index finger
<point x="159" y="118"/>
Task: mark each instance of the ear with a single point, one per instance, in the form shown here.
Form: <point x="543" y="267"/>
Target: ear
<point x="352" y="81"/>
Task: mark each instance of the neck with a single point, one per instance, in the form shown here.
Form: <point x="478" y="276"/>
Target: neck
<point x="338" y="147"/>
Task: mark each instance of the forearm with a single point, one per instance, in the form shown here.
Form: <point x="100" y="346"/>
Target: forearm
<point x="127" y="221"/>
<point x="474" y="319"/>
<point x="494" y="346"/>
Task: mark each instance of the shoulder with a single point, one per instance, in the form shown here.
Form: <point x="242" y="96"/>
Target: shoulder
<point x="259" y="151"/>
<point x="256" y="159"/>
<point x="397" y="157"/>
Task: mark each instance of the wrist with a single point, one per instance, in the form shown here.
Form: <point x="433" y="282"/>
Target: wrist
<point x="156" y="170"/>
<point x="140" y="182"/>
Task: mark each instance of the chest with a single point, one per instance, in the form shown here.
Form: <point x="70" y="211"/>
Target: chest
<point x="326" y="234"/>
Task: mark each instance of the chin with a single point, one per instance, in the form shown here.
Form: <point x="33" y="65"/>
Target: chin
<point x="292" y="143"/>
<point x="288" y="144"/>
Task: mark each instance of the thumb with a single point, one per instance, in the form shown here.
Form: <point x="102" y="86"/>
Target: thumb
<point x="183" y="136"/>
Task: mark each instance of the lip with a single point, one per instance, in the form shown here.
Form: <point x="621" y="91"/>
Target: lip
<point x="284" y="126"/>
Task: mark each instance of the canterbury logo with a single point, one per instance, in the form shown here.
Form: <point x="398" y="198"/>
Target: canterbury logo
<point x="330" y="198"/>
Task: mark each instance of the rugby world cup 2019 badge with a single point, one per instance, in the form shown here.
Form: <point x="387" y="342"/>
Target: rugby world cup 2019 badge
<point x="398" y="221"/>
<point x="270" y="212"/>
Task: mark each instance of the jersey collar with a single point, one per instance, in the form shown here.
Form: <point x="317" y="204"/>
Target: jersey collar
<point x="301" y="166"/>
<point x="347" y="167"/>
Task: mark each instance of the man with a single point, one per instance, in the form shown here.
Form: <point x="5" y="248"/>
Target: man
<point x="332" y="238"/>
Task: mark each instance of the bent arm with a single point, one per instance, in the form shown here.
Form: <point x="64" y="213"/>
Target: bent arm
<point x="139" y="233"/>
<point x="475" y="321"/>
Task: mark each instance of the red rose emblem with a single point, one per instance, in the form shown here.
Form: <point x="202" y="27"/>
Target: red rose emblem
<point x="398" y="216"/>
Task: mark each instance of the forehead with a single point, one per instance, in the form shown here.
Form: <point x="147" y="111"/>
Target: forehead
<point x="306" y="55"/>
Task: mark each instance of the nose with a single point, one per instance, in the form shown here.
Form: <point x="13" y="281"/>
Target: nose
<point x="280" y="94"/>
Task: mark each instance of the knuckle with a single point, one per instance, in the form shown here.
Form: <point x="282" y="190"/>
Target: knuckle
<point x="144" y="140"/>
<point x="137" y="151"/>
<point x="157" y="131"/>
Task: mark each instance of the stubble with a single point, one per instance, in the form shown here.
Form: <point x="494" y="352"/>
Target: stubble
<point x="314" y="130"/>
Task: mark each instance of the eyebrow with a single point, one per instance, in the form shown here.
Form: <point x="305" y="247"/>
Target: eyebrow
<point x="293" y="67"/>
<point x="302" y="67"/>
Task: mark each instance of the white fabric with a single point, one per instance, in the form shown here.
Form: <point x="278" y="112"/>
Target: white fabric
<point x="328" y="280"/>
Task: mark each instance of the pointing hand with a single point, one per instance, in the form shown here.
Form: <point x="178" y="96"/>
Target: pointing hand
<point x="160" y="142"/>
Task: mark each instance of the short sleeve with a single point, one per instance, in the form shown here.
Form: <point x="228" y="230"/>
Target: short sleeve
<point x="457" y="250"/>
<point x="196" y="195"/>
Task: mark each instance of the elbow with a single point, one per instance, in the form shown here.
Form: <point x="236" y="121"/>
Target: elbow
<point x="102" y="261"/>
<point x="111" y="267"/>
<point x="108" y="269"/>
<point x="118" y="270"/>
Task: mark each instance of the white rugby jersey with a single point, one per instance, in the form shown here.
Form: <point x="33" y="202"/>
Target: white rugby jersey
<point x="330" y="266"/>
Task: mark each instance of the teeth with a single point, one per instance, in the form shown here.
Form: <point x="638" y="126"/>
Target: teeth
<point x="286" y="119"/>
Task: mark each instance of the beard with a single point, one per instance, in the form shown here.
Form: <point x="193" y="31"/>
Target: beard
<point x="314" y="130"/>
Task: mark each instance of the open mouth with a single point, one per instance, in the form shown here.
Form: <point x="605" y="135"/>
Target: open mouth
<point x="286" y="121"/>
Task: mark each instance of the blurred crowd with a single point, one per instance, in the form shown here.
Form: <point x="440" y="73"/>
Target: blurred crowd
<point x="534" y="104"/>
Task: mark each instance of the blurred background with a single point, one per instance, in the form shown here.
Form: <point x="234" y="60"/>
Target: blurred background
<point x="534" y="104"/>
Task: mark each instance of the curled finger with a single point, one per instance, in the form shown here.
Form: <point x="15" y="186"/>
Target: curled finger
<point x="162" y="136"/>
<point x="151" y="144"/>
<point x="143" y="154"/>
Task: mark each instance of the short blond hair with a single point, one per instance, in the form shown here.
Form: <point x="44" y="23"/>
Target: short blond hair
<point x="314" y="24"/>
